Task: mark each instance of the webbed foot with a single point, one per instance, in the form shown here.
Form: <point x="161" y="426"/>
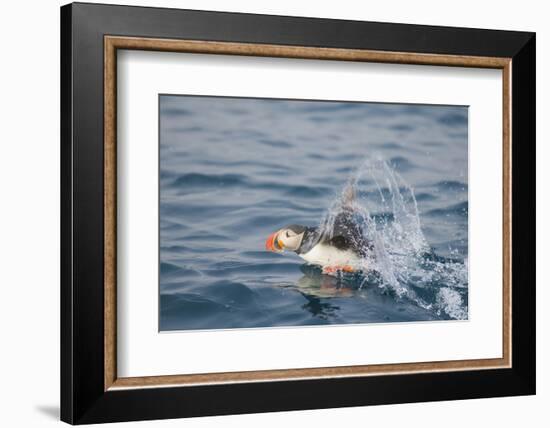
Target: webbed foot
<point x="335" y="269"/>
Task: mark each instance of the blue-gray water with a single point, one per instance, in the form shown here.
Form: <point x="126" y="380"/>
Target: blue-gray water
<point x="233" y="170"/>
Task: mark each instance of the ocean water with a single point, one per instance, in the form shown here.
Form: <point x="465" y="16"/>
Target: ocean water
<point x="234" y="170"/>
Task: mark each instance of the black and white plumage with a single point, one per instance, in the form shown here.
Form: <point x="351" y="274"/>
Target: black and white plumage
<point x="340" y="246"/>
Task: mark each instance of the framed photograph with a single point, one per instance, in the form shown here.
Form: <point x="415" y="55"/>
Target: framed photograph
<point x="266" y="213"/>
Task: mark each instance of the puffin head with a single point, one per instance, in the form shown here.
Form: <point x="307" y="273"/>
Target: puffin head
<point x="287" y="238"/>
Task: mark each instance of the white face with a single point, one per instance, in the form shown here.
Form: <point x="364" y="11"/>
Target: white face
<point x="289" y="239"/>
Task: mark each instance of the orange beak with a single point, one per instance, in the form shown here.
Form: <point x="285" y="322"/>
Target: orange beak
<point x="272" y="243"/>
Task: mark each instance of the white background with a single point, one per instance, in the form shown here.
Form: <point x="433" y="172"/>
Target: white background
<point x="144" y="352"/>
<point x="29" y="218"/>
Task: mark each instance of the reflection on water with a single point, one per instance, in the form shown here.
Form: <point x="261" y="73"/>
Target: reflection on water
<point x="234" y="170"/>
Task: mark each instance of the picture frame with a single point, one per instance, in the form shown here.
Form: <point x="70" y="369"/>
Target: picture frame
<point x="91" y="390"/>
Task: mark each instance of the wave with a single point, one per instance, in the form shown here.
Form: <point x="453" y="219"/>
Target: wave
<point x="192" y="183"/>
<point x="460" y="209"/>
<point x="197" y="179"/>
<point x="401" y="163"/>
<point x="453" y="119"/>
<point x="398" y="250"/>
<point x="452" y="185"/>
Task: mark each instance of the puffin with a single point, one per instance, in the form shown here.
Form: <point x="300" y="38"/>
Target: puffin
<point x="343" y="249"/>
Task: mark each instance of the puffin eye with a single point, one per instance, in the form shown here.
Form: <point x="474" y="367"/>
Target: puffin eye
<point x="287" y="234"/>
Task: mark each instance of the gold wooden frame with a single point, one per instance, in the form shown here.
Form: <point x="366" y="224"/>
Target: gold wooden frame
<point x="113" y="43"/>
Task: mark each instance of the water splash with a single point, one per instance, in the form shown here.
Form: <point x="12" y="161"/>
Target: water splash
<point x="397" y="249"/>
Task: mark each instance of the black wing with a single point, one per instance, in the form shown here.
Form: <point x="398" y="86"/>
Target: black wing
<point x="347" y="234"/>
